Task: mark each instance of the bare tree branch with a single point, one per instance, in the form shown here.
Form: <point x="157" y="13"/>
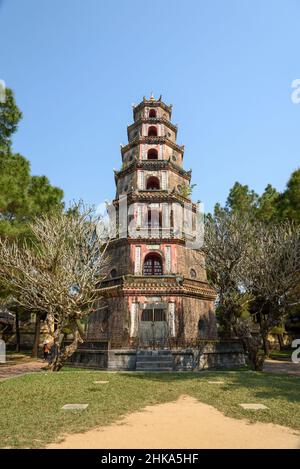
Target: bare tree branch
<point x="57" y="274"/>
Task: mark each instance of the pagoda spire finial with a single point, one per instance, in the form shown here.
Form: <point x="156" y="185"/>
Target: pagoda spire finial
<point x="152" y="97"/>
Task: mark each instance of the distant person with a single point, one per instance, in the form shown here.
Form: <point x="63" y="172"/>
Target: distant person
<point x="53" y="352"/>
<point x="46" y="351"/>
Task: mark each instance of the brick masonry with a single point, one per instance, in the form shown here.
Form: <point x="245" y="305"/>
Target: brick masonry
<point x="178" y="290"/>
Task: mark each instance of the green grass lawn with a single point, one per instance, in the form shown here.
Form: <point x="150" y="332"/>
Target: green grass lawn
<point x="31" y="415"/>
<point x="284" y="355"/>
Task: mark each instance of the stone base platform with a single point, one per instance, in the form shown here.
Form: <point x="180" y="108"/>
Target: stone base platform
<point x="211" y="355"/>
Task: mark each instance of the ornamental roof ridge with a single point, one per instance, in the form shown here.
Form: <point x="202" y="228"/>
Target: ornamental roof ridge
<point x="151" y="140"/>
<point x="128" y="240"/>
<point x="153" y="120"/>
<point x="136" y="195"/>
<point x="132" y="287"/>
<point x="154" y="103"/>
<point x="153" y="165"/>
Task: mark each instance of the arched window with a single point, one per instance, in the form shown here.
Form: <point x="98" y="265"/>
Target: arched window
<point x="152" y="113"/>
<point x="202" y="327"/>
<point x="113" y="273"/>
<point x="152" y="265"/>
<point x="152" y="131"/>
<point x="152" y="154"/>
<point x="193" y="273"/>
<point x="152" y="183"/>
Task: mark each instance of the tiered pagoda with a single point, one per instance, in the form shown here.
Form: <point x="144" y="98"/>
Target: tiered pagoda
<point x="156" y="291"/>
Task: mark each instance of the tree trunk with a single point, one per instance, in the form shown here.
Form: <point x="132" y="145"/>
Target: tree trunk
<point x="61" y="356"/>
<point x="264" y="335"/>
<point x="266" y="344"/>
<point x="37" y="332"/>
<point x="17" y="333"/>
<point x="251" y="346"/>
<point x="280" y="341"/>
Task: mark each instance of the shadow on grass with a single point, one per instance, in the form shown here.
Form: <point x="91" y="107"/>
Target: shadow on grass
<point x="182" y="375"/>
<point x="261" y="384"/>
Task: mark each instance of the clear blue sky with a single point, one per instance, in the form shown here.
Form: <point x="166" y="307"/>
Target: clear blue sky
<point x="76" y="66"/>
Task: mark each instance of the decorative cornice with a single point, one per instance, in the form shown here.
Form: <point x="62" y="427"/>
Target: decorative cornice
<point x="156" y="197"/>
<point x="152" y="120"/>
<point x="158" y="285"/>
<point x="153" y="165"/>
<point x="152" y="103"/>
<point x="171" y="240"/>
<point x="152" y="141"/>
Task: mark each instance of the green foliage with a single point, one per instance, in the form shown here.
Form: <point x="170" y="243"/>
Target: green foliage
<point x="14" y="182"/>
<point x="241" y="199"/>
<point x="186" y="190"/>
<point x="44" y="198"/>
<point x="10" y="116"/>
<point x="271" y="206"/>
<point x="22" y="196"/>
<point x="289" y="202"/>
<point x="277" y="330"/>
<point x="267" y="207"/>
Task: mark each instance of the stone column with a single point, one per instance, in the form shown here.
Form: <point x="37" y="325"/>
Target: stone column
<point x="168" y="259"/>
<point x="171" y="319"/>
<point x="133" y="319"/>
<point x="137" y="263"/>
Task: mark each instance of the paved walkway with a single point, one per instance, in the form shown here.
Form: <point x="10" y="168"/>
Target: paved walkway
<point x="10" y="371"/>
<point x="287" y="367"/>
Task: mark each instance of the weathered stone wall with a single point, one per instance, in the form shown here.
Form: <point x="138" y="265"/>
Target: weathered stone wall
<point x="121" y="359"/>
<point x="176" y="181"/>
<point x="120" y="258"/>
<point x="169" y="133"/>
<point x="187" y="259"/>
<point x="126" y="183"/>
<point x="144" y="112"/>
<point x="89" y="359"/>
<point x="130" y="155"/>
<point x="199" y="318"/>
<point x="111" y="322"/>
<point x="218" y="355"/>
<point x="209" y="356"/>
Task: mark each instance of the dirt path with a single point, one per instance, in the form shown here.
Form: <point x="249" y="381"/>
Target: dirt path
<point x="11" y="371"/>
<point x="185" y="423"/>
<point x="276" y="366"/>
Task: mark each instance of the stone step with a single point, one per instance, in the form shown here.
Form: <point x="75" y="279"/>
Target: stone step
<point x="154" y="369"/>
<point x="153" y="358"/>
<point x="168" y="364"/>
<point x="157" y="353"/>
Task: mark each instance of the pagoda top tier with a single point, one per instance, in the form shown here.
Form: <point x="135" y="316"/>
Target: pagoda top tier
<point x="152" y="107"/>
